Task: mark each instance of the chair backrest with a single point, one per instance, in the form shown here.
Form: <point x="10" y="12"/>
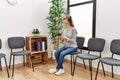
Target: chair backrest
<point x="115" y="46"/>
<point x="96" y="44"/>
<point x="16" y="42"/>
<point x="0" y="43"/>
<point x="80" y="42"/>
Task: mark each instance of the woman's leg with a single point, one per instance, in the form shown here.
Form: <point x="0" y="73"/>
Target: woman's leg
<point x="57" y="53"/>
<point x="63" y="54"/>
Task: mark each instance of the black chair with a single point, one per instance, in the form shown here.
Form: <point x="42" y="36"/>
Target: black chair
<point x="2" y="55"/>
<point x="115" y="49"/>
<point x="17" y="43"/>
<point x="94" y="45"/>
<point x="80" y="42"/>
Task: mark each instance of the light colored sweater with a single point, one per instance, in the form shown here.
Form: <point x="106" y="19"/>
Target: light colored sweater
<point x="72" y="34"/>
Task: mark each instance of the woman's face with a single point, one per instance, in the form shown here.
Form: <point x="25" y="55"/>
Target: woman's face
<point x="65" y="20"/>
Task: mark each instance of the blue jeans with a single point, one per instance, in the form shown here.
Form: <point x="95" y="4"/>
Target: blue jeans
<point x="61" y="53"/>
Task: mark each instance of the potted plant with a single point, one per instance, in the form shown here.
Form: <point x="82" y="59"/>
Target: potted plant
<point x="56" y="11"/>
<point x="36" y="32"/>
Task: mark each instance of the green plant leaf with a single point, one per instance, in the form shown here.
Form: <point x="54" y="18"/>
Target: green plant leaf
<point x="55" y="18"/>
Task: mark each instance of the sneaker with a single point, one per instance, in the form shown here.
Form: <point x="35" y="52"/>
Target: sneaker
<point x="59" y="72"/>
<point x="53" y="70"/>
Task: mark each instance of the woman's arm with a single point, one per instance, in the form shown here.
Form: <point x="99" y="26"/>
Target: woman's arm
<point x="73" y="36"/>
<point x="66" y="38"/>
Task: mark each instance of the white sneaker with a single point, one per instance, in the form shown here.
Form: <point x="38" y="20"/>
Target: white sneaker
<point x="53" y="70"/>
<point x="59" y="72"/>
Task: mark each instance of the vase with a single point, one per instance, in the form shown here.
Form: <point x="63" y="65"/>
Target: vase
<point x="36" y="34"/>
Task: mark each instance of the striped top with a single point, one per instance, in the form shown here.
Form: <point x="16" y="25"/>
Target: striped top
<point x="72" y="34"/>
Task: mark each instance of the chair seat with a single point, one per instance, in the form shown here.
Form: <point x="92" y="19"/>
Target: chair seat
<point x="87" y="56"/>
<point x="20" y="53"/>
<point x="75" y="53"/>
<point x="2" y="55"/>
<point x="110" y="61"/>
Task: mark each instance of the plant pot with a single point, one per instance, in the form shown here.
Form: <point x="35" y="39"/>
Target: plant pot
<point x="53" y="54"/>
<point x="36" y="34"/>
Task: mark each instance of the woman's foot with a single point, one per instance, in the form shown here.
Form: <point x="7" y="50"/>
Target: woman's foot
<point x="59" y="72"/>
<point x="53" y="70"/>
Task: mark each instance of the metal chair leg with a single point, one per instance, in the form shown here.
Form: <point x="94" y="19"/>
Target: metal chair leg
<point x="73" y="58"/>
<point x="112" y="72"/>
<point x="84" y="63"/>
<point x="97" y="70"/>
<point x="74" y="66"/>
<point x="103" y="69"/>
<point x="83" y="59"/>
<point x="71" y="64"/>
<point x="13" y="66"/>
<point x="6" y="67"/>
<point x="32" y="62"/>
<point x="0" y="65"/>
<point x="23" y="60"/>
<point x="10" y="61"/>
<point x="90" y="64"/>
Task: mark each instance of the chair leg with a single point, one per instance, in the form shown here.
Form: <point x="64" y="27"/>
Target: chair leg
<point x="23" y="60"/>
<point x="112" y="72"/>
<point x="74" y="66"/>
<point x="13" y="66"/>
<point x="97" y="70"/>
<point x="103" y="69"/>
<point x="83" y="60"/>
<point x="10" y="61"/>
<point x="0" y="65"/>
<point x="73" y="58"/>
<point x="90" y="64"/>
<point x="6" y="67"/>
<point x="71" y="63"/>
<point x="32" y="62"/>
<point x="84" y="63"/>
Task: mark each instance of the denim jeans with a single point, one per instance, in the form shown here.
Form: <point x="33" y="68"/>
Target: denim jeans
<point x="61" y="53"/>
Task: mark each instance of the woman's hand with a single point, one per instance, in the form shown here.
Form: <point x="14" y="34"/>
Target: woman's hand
<point x="61" y="38"/>
<point x="65" y="38"/>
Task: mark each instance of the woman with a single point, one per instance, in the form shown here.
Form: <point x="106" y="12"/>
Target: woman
<point x="69" y="34"/>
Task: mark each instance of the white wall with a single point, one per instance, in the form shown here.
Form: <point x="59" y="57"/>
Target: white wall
<point x="19" y="20"/>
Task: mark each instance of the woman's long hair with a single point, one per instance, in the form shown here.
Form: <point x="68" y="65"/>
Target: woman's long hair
<point x="69" y="18"/>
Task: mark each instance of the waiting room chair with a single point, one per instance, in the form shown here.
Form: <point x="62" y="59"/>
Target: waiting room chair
<point x="80" y="43"/>
<point x="17" y="43"/>
<point x="2" y="55"/>
<point x="94" y="45"/>
<point x="115" y="49"/>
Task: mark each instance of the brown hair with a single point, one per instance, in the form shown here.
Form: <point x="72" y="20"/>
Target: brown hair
<point x="69" y="18"/>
